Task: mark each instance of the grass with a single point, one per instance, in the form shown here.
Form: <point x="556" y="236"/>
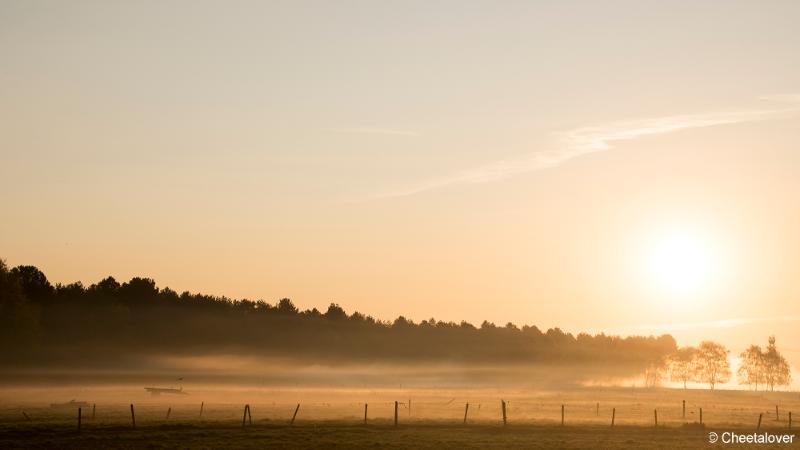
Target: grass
<point x="333" y="418"/>
<point x="332" y="434"/>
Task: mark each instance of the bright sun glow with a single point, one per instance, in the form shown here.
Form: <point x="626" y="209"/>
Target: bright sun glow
<point x="681" y="263"/>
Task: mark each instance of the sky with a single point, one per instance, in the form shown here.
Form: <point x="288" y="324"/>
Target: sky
<point x="626" y="167"/>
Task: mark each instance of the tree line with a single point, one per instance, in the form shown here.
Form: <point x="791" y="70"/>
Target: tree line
<point x="110" y="321"/>
<point x="709" y="363"/>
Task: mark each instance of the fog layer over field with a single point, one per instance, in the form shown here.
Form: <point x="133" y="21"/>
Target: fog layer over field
<point x="135" y="331"/>
<point x="276" y="404"/>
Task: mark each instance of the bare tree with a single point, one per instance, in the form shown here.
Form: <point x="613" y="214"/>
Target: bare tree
<point x="712" y="363"/>
<point x="654" y="373"/>
<point x="776" y="369"/>
<point x="752" y="367"/>
<point x="683" y="365"/>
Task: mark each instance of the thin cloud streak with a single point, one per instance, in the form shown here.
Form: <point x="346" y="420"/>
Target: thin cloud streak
<point x="785" y="98"/>
<point x="371" y="130"/>
<point x="586" y="140"/>
<point x="723" y="323"/>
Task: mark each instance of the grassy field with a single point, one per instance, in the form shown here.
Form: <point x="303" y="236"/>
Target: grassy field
<point x="334" y="418"/>
<point x="348" y="435"/>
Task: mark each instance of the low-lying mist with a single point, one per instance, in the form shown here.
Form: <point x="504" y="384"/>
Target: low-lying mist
<point x="137" y="333"/>
<point x="242" y="370"/>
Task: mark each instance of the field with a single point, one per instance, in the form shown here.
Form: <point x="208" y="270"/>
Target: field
<point x="347" y="435"/>
<point x="335" y="418"/>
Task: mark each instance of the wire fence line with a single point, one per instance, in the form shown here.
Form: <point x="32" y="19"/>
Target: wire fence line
<point x="408" y="411"/>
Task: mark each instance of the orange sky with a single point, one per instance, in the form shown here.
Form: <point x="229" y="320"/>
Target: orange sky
<point x="630" y="169"/>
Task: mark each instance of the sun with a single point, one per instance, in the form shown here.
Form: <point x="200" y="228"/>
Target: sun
<point x="680" y="263"/>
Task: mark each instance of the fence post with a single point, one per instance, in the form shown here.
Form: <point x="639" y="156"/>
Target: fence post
<point x="466" y="410"/>
<point x="758" y="427"/>
<point x="201" y="409"/>
<point x="295" y="414"/>
<point x="701" y="416"/>
<point x="503" y="405"/>
<point x="776" y="413"/>
<point x="169" y="410"/>
<point x="409" y="406"/>
<point x="249" y="415"/>
<point x="655" y="417"/>
<point x="133" y="417"/>
<point x="562" y="415"/>
<point x="395" y="413"/>
<point x="244" y="415"/>
<point x="94" y="406"/>
<point x="79" y="419"/>
<point x="597" y="410"/>
<point x="613" y="416"/>
<point x="684" y="409"/>
<point x="790" y="419"/>
<point x="365" y="413"/>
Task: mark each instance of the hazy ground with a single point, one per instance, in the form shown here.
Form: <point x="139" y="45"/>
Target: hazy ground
<point x="348" y="435"/>
<point x="330" y="417"/>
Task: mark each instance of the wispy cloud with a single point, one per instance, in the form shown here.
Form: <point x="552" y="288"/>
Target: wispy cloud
<point x="722" y="323"/>
<point x="705" y="326"/>
<point x="592" y="139"/>
<point x="371" y="130"/>
<point x="786" y="98"/>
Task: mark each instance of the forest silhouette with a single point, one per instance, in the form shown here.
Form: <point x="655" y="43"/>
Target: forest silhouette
<point x="43" y="324"/>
